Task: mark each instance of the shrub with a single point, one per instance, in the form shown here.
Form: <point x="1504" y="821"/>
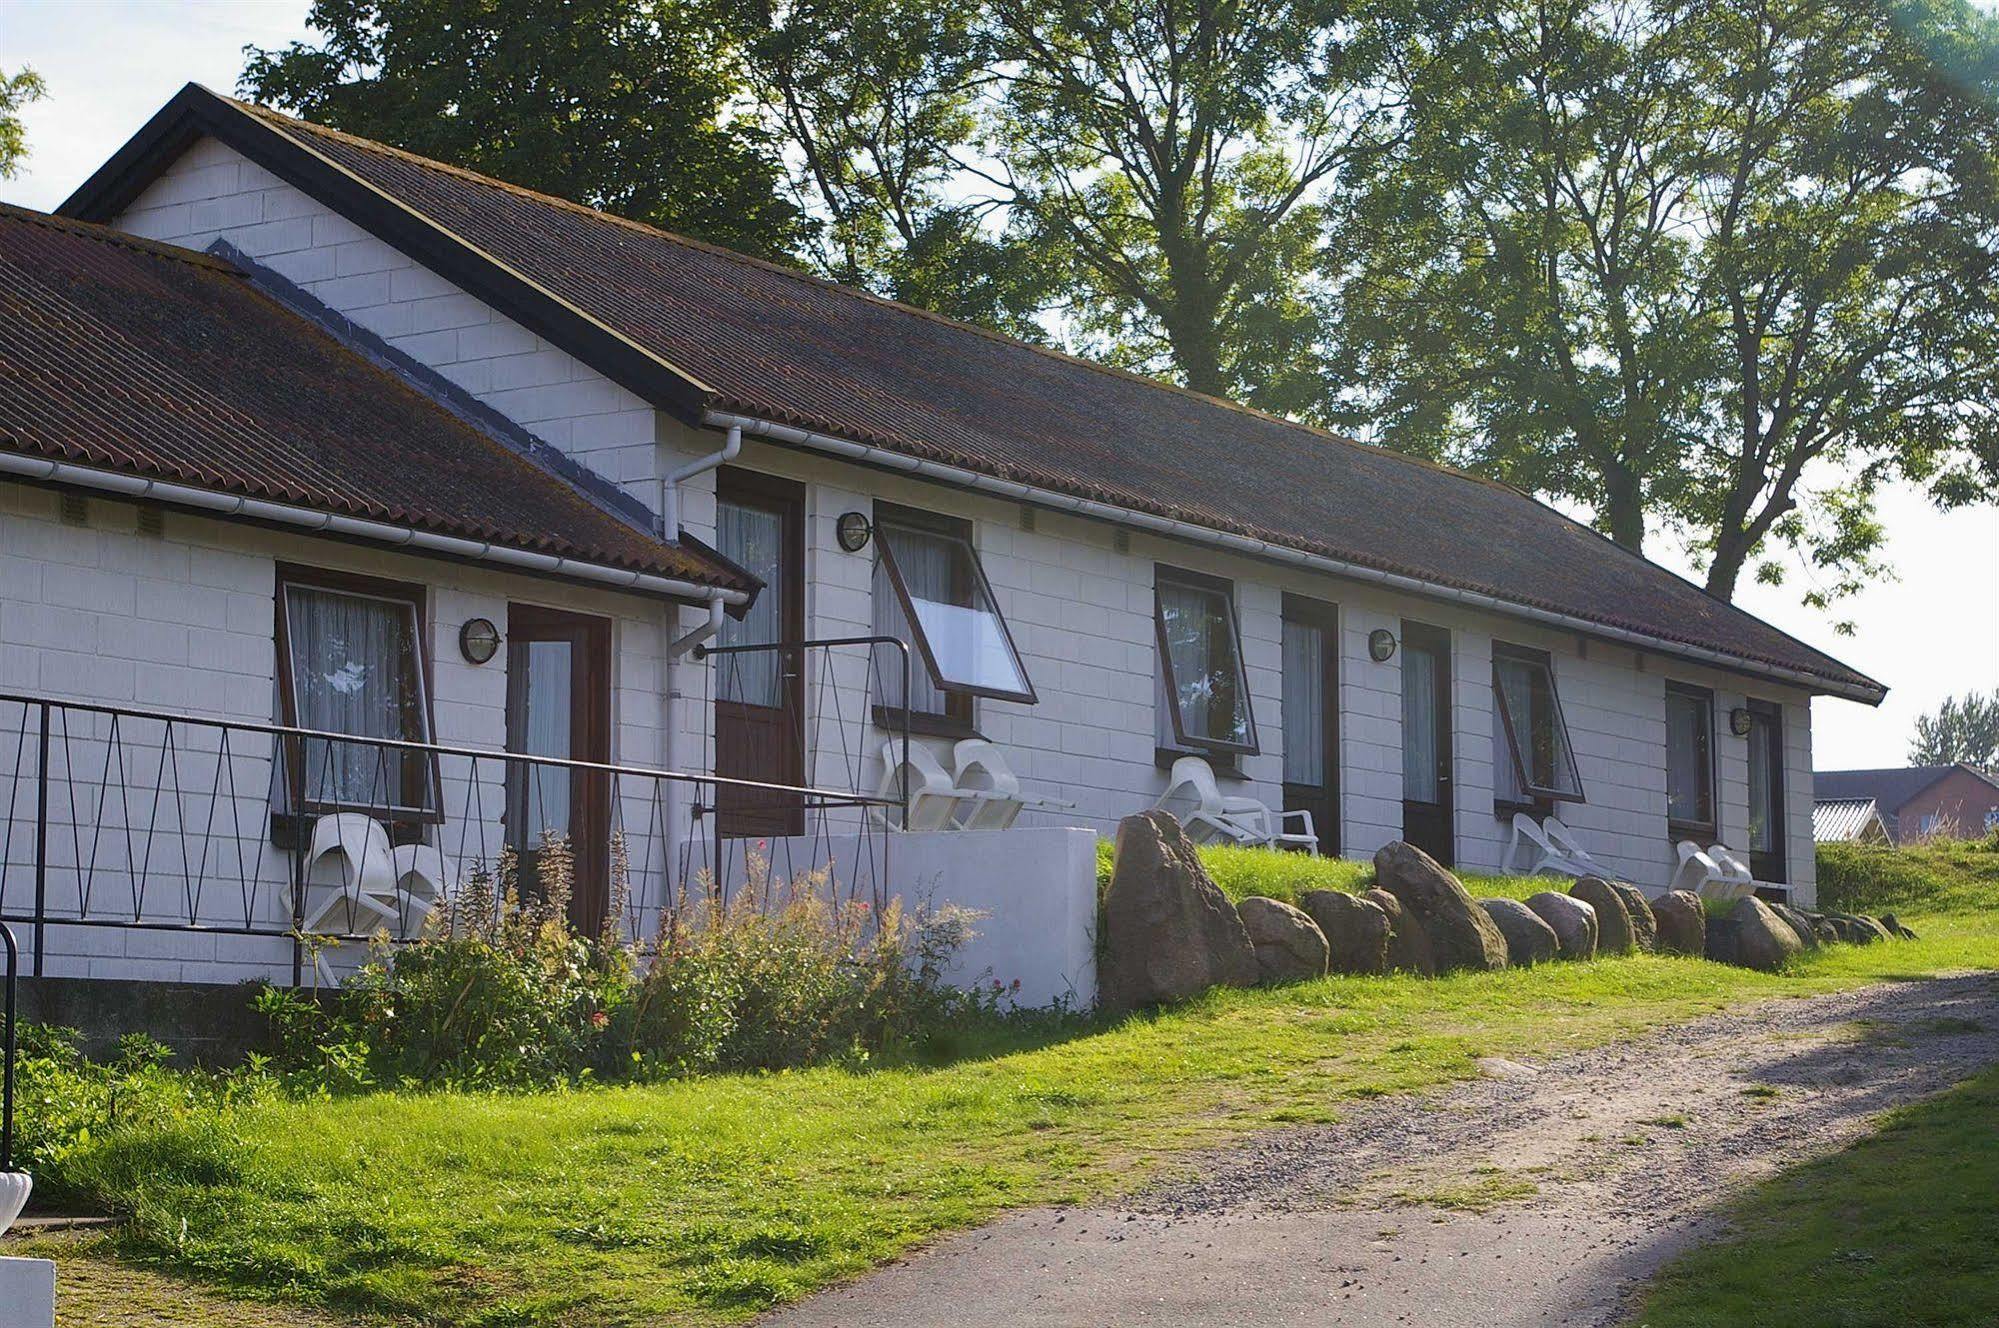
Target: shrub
<point x="499" y="992"/>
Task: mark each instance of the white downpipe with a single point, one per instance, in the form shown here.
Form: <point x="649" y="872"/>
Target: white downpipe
<point x="133" y="488"/>
<point x="1257" y="548"/>
<point x="678" y="824"/>
<point x="669" y="484"/>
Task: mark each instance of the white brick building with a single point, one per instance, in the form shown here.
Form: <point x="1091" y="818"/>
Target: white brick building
<point x="1022" y="487"/>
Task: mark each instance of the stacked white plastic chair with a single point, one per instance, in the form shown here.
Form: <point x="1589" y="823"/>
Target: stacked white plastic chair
<point x="1712" y="873"/>
<point x="982" y="794"/>
<point x="1549" y="848"/>
<point x="1242" y="820"/>
<point x="356" y="884"/>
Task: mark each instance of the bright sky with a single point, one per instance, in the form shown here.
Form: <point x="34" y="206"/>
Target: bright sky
<point x="1932" y="633"/>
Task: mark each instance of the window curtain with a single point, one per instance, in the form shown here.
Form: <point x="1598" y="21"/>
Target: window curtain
<point x="1689" y="766"/>
<point x="1206" y="671"/>
<point x="924" y="559"/>
<point x="1419" y="726"/>
<point x="1763" y="812"/>
<point x="754" y="539"/>
<point x="1304" y="705"/>
<point x="1505" y="778"/>
<point x="541" y="793"/>
<point x="353" y="669"/>
<point x="1527" y="691"/>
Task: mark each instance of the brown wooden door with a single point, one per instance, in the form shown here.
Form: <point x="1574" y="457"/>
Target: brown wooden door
<point x="1311" y="716"/>
<point x="760" y="695"/>
<point x="559" y="704"/>
<point x="1426" y="740"/>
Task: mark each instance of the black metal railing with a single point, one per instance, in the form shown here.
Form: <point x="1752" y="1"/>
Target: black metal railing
<point x="116" y="820"/>
<point x="806" y="713"/>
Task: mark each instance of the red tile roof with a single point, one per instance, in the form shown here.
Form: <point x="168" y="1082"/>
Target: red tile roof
<point x="698" y="328"/>
<point x="144" y="359"/>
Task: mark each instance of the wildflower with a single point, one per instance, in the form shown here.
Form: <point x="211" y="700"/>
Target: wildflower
<point x="598" y="1019"/>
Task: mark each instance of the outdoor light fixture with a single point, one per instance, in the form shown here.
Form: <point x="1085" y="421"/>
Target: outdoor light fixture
<point x="479" y="640"/>
<point x="1738" y="721"/>
<point x="1380" y="645"/>
<point x="853" y="531"/>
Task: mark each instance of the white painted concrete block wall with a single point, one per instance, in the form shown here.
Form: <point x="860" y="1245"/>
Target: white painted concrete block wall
<point x="1081" y="615"/>
<point x="185" y="623"/>
<point x="213" y="193"/>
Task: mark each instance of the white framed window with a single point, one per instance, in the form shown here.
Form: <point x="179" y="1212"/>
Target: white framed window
<point x="1202" y="697"/>
<point x="351" y="661"/>
<point x="1690" y="757"/>
<point x="931" y="592"/>
<point x="1536" y="760"/>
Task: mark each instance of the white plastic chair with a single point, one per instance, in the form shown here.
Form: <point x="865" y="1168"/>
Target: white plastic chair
<point x="1556" y="850"/>
<point x="933" y="796"/>
<point x="1708" y="877"/>
<point x="988" y="785"/>
<point x="1237" y="820"/>
<point x="421" y="873"/>
<point x="350" y="881"/>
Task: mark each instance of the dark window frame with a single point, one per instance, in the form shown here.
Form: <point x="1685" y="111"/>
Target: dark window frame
<point x="1541" y="796"/>
<point x="959" y="718"/>
<point x="1164" y="573"/>
<point x="413" y="594"/>
<point x="1707" y="829"/>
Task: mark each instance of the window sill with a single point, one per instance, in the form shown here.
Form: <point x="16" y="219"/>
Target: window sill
<point x="1225" y="764"/>
<point x="924" y="726"/>
<point x="1703" y="833"/>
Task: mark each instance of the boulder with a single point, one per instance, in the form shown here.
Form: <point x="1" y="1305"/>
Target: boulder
<point x="1528" y="939"/>
<point x="1808" y="935"/>
<point x="1169" y="931"/>
<point x="1613" y="919"/>
<point x="1751" y="936"/>
<point x="1356" y="930"/>
<point x="1681" y="922"/>
<point x="1895" y="927"/>
<point x="1289" y="946"/>
<point x="1857" y="928"/>
<point x="1644" y="927"/>
<point x="1821" y="925"/>
<point x="1408" y="946"/>
<point x="1461" y="935"/>
<point x="1572" y="920"/>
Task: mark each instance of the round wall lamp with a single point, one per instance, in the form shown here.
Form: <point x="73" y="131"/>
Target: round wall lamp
<point x="478" y="640"/>
<point x="853" y="531"/>
<point x="1739" y="721"/>
<point x="1380" y="645"/>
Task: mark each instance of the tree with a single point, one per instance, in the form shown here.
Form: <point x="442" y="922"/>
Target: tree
<point x="16" y="91"/>
<point x="1966" y="731"/>
<point x="1724" y="264"/>
<point x="628" y="105"/>
<point x="876" y="100"/>
<point x="1179" y="159"/>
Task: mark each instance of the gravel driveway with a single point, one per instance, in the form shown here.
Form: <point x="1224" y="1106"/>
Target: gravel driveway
<point x="1536" y="1195"/>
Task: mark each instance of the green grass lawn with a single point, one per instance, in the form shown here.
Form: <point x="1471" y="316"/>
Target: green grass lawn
<point x="1241" y="872"/>
<point x="709" y="1199"/>
<point x="713" y="1198"/>
<point x="1897" y="1231"/>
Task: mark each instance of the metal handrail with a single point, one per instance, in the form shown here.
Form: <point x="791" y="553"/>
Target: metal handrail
<point x="430" y="748"/>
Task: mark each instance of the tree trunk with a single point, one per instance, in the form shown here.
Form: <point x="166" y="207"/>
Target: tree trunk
<point x="1190" y="331"/>
<point x="1624" y="507"/>
<point x="1731" y="552"/>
